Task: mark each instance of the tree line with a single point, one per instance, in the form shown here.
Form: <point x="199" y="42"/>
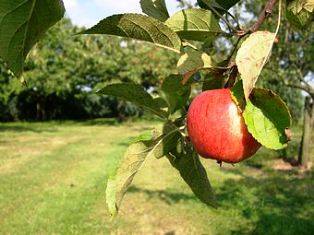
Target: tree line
<point x="64" y="71"/>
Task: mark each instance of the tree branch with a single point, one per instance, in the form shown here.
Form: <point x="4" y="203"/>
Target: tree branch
<point x="305" y="88"/>
<point x="263" y="15"/>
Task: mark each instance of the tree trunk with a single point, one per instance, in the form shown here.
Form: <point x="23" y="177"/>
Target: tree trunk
<point x="305" y="153"/>
<point x="40" y="110"/>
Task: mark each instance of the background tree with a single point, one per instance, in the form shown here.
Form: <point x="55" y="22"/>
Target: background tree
<point x="63" y="72"/>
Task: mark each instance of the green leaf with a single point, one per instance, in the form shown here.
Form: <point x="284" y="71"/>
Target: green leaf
<point x="175" y="93"/>
<point x="131" y="163"/>
<point x="161" y="102"/>
<point x="194" y="174"/>
<point x="302" y="20"/>
<point x="23" y="23"/>
<point x="192" y="61"/>
<point x="144" y="137"/>
<point x="252" y="56"/>
<point x="194" y="24"/>
<point x="213" y="80"/>
<point x="166" y="142"/>
<point x="135" y="94"/>
<point x="220" y="5"/>
<point x="237" y="93"/>
<point x="226" y="4"/>
<point x="155" y="8"/>
<point x="297" y="6"/>
<point x="267" y="118"/>
<point x="300" y="13"/>
<point x="138" y="27"/>
<point x="111" y="196"/>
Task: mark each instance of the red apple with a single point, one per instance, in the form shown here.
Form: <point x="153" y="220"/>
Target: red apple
<point x="217" y="130"/>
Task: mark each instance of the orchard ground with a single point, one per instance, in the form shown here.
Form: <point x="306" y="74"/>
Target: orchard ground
<point x="53" y="177"/>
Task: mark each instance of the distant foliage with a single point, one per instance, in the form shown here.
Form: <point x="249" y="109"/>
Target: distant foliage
<point x="63" y="72"/>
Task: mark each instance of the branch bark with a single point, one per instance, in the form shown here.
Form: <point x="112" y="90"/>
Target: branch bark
<point x="307" y="89"/>
<point x="268" y="9"/>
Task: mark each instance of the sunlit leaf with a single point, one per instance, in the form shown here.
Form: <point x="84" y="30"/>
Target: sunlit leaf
<point x="296" y="6"/>
<point x="267" y="118"/>
<point x="300" y="13"/>
<point x="192" y="61"/>
<point x="138" y="27"/>
<point x="165" y="142"/>
<point x="194" y="24"/>
<point x="111" y="196"/>
<point x="132" y="161"/>
<point x="252" y="56"/>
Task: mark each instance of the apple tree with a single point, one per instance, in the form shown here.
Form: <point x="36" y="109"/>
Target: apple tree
<point x="192" y="34"/>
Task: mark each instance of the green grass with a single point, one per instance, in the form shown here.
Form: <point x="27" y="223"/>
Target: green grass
<point x="53" y="177"/>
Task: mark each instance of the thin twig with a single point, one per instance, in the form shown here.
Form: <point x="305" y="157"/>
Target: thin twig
<point x="234" y="49"/>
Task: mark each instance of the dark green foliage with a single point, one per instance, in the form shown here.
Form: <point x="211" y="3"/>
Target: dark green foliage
<point x="155" y="8"/>
<point x="23" y="23"/>
<point x="300" y="13"/>
<point x="63" y="72"/>
<point x="188" y="163"/>
<point x="175" y="93"/>
<point x="134" y="93"/>
<point x="220" y="5"/>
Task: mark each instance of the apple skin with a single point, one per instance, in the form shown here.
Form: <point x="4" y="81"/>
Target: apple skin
<point x="217" y="130"/>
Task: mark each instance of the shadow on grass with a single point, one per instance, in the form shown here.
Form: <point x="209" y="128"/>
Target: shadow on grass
<point x="163" y="195"/>
<point x="24" y="128"/>
<point x="275" y="203"/>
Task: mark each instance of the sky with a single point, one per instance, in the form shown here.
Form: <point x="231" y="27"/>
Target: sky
<point x="90" y="12"/>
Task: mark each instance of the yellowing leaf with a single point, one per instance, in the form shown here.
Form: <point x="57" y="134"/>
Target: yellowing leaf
<point x="299" y="13"/>
<point x="252" y="56"/>
<point x="309" y="5"/>
<point x="296" y="6"/>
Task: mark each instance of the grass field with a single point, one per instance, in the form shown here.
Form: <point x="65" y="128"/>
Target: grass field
<point x="53" y="177"/>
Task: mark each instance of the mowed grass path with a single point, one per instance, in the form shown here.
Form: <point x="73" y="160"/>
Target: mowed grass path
<point x="53" y="177"/>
